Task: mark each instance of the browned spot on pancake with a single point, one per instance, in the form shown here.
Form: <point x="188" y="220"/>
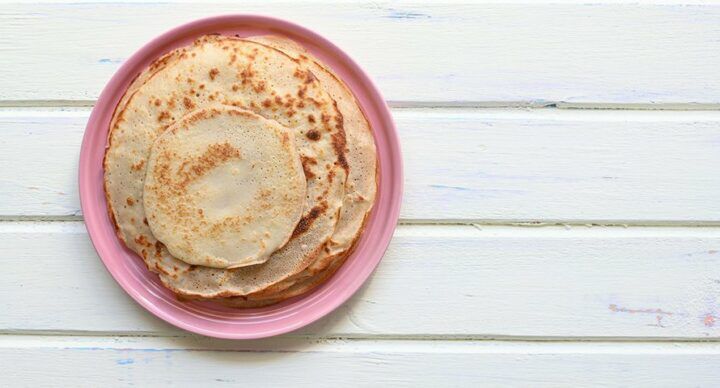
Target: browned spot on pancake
<point x="212" y="157"/>
<point x="325" y="118"/>
<point x="285" y="139"/>
<point x="267" y="103"/>
<point x="306" y="163"/>
<point x="331" y="175"/>
<point x="190" y="80"/>
<point x="246" y="73"/>
<point x="213" y="73"/>
<point x="232" y="222"/>
<point x="311" y="118"/>
<point x="145" y="221"/>
<point x="309" y="77"/>
<point x="199" y="115"/>
<point x="137" y="166"/>
<point x="132" y="220"/>
<point x="339" y="125"/>
<point x="200" y="212"/>
<point x="265" y="204"/>
<point x="278" y="100"/>
<point x="164" y="115"/>
<point x="338" y="142"/>
<point x="188" y="103"/>
<point x="157" y="102"/>
<point x="162" y="170"/>
<point x="300" y="104"/>
<point x="240" y="113"/>
<point x="158" y="249"/>
<point x="235" y="87"/>
<point x="193" y="55"/>
<point x="142" y="240"/>
<point x="161" y="270"/>
<point x="313" y="135"/>
<point x="226" y="48"/>
<point x="130" y="201"/>
<point x="161" y="61"/>
<point x="211" y="97"/>
<point x="290" y="112"/>
<point x="316" y="102"/>
<point x="259" y="87"/>
<point x="201" y="86"/>
<point x="301" y="92"/>
<point x="252" y="104"/>
<point x="307" y="219"/>
<point x="233" y="58"/>
<point x="143" y="253"/>
<point x="171" y="103"/>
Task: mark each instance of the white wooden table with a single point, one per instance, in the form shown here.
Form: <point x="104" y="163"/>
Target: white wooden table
<point x="561" y="222"/>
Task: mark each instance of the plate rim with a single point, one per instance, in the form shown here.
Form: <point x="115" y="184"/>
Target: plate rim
<point x="322" y="305"/>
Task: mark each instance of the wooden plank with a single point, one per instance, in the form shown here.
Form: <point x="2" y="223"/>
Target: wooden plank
<point x="416" y="51"/>
<point x="53" y="361"/>
<point x="461" y="164"/>
<point x="464" y="282"/>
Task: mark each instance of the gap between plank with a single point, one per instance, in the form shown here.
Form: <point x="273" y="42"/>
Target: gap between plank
<point x="374" y="337"/>
<point x="535" y="104"/>
<point x="478" y="223"/>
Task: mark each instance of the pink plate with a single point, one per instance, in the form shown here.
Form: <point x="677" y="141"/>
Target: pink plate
<point x="208" y="318"/>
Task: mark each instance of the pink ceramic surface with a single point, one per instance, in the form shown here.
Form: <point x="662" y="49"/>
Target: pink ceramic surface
<point x="208" y="318"/>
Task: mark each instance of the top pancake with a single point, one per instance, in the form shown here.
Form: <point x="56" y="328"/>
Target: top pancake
<point x="229" y="71"/>
<point x="224" y="187"/>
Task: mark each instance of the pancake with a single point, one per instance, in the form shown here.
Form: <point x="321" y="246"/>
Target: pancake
<point x="224" y="187"/>
<point x="253" y="76"/>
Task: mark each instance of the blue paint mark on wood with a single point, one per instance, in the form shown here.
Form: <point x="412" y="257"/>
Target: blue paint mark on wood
<point x="400" y="14"/>
<point x="125" y="361"/>
<point x="450" y="187"/>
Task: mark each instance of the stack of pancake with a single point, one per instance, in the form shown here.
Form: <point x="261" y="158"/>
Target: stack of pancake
<point x="241" y="170"/>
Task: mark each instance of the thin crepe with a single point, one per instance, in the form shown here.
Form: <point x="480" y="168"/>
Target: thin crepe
<point x="224" y="187"/>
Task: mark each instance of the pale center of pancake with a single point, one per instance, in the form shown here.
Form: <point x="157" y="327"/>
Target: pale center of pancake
<point x="224" y="188"/>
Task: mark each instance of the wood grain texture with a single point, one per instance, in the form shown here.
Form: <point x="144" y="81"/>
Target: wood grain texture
<point x="464" y="282"/>
<point x="416" y="51"/>
<point x="461" y="164"/>
<point x="575" y="306"/>
<point x="196" y="362"/>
